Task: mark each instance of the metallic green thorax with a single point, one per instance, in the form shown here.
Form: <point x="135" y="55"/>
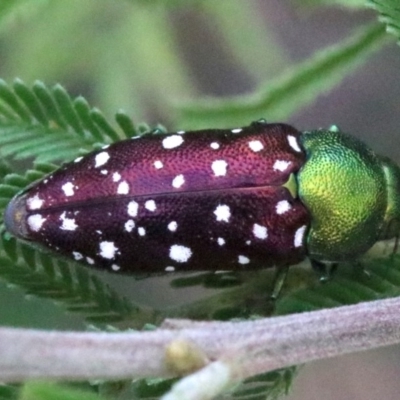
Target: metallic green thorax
<point x="352" y="194"/>
<point x="392" y="217"/>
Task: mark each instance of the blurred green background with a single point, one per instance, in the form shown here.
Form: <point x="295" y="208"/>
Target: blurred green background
<point x="147" y="56"/>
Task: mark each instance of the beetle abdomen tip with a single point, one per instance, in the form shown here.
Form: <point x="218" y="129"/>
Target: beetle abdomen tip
<point x="15" y="217"/>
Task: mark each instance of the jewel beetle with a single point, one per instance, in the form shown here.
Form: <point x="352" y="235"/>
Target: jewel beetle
<point x="253" y="197"/>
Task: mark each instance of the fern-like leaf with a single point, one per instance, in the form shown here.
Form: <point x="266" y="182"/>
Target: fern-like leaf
<point x="12" y="183"/>
<point x="288" y="94"/>
<point x="47" y="276"/>
<point x="47" y="124"/>
<point x="350" y="286"/>
<point x="389" y="14"/>
<point x="268" y="386"/>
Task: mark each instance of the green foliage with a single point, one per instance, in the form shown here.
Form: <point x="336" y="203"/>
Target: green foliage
<point x="6" y="6"/>
<point x="106" y="45"/>
<point x="8" y="392"/>
<point x="351" y="4"/>
<point x="172" y="4"/>
<point x="45" y="276"/>
<point x="289" y="93"/>
<point x="48" y="125"/>
<point x="11" y="8"/>
<point x="256" y="49"/>
<point x="51" y="391"/>
<point x="269" y="386"/>
<point x="381" y="279"/>
<point x="389" y="14"/>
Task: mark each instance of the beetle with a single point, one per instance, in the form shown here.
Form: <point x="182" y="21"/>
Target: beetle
<point x="253" y="197"/>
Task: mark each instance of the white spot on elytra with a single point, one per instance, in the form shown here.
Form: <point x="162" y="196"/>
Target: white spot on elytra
<point x="178" y="181"/>
<point x="133" y="208"/>
<point x="180" y="253"/>
<point x="243" y="260"/>
<point x="260" y="231"/>
<point x="214" y="145"/>
<point x="219" y="167"/>
<point x="281" y="165"/>
<point x="115" y="267"/>
<point x="299" y="235"/>
<point x="169" y="269"/>
<point x="68" y="224"/>
<point x="68" y="189"/>
<point x="35" y="222"/>
<point x="256" y="145"/>
<point x="282" y="207"/>
<point x="89" y="260"/>
<point x="116" y="177"/>
<point x="293" y="143"/>
<point x="101" y="159"/>
<point x="104" y="172"/>
<point x="222" y="212"/>
<point x="35" y="202"/>
<point x="78" y="159"/>
<point x="78" y="256"/>
<point x="173" y="226"/>
<point x="108" y="249"/>
<point x="221" y="241"/>
<point x="123" y="188"/>
<point x="158" y="164"/>
<point x="237" y="130"/>
<point x="150" y="205"/>
<point x="129" y="225"/>
<point x="171" y="142"/>
<point x="248" y="242"/>
<point x="141" y="231"/>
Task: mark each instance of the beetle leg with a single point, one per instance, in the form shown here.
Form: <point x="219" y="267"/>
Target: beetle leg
<point x="396" y="245"/>
<point x="360" y="270"/>
<point x="321" y="269"/>
<point x="325" y="271"/>
<point x="332" y="270"/>
<point x="279" y="280"/>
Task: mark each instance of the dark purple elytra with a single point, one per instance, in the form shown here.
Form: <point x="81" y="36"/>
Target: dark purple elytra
<point x="204" y="200"/>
